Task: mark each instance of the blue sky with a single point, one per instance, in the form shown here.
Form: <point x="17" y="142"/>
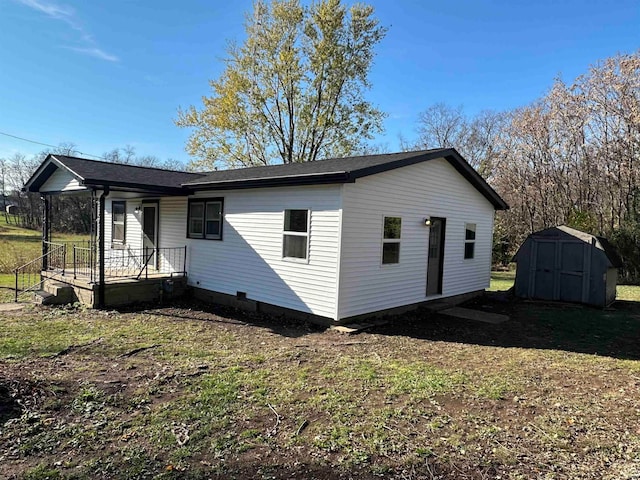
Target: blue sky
<point x="104" y="74"/>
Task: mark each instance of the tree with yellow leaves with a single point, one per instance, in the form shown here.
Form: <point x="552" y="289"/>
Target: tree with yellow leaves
<point x="293" y="91"/>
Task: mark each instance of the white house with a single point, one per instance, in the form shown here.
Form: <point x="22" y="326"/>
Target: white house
<point x="332" y="239"/>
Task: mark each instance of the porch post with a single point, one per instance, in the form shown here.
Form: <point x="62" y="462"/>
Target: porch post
<point x="46" y="227"/>
<point x="101" y="205"/>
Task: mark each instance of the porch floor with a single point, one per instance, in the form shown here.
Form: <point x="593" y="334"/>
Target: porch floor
<point x="84" y="279"/>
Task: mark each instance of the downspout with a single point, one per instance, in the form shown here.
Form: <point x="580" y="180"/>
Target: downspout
<point x="101" y="205"/>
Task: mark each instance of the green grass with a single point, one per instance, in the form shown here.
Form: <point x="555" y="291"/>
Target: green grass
<point x="216" y="396"/>
<point x="630" y="293"/>
<point x="501" y="281"/>
<point x="20" y="245"/>
<point x="7" y="280"/>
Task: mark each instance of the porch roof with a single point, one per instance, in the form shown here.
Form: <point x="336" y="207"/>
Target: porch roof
<point x="119" y="177"/>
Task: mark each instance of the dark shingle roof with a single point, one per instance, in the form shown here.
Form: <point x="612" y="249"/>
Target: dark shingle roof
<point x="319" y="167"/>
<point x="98" y="173"/>
<point x="335" y="170"/>
<point x="340" y="170"/>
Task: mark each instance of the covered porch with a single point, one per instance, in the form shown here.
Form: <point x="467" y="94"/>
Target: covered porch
<point x="125" y="259"/>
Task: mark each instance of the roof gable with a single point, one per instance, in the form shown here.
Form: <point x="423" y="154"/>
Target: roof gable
<point x="97" y="174"/>
<point x="340" y="170"/>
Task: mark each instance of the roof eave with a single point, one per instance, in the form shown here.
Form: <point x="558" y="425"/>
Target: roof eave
<point x="473" y="177"/>
<point x="316" y="179"/>
<point x="136" y="187"/>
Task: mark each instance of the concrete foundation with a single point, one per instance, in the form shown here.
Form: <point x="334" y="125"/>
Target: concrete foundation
<point x="117" y="293"/>
<point x="276" y="311"/>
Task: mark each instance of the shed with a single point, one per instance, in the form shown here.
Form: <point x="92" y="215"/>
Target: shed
<point x="564" y="264"/>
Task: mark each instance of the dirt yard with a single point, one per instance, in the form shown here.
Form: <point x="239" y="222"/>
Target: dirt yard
<point x="198" y="392"/>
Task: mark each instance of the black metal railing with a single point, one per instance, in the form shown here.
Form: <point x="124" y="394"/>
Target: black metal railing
<point x="28" y="277"/>
<point x="127" y="262"/>
<point x="130" y="262"/>
<point x="84" y="262"/>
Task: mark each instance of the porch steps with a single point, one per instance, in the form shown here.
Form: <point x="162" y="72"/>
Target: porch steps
<point x="42" y="297"/>
<point x="55" y="293"/>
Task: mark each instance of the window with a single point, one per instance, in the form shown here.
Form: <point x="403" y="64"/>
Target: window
<point x="205" y="218"/>
<point x="295" y="241"/>
<point x="391" y="240"/>
<point x="469" y="240"/>
<point x="118" y="221"/>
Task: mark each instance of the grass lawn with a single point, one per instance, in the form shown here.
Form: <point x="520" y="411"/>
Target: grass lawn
<point x="20" y="245"/>
<point x="504" y="281"/>
<point x="181" y="392"/>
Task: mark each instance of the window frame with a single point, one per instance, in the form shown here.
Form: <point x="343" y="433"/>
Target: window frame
<point x="123" y="203"/>
<point x="204" y="202"/>
<point x="470" y="241"/>
<point x="386" y="241"/>
<point x="306" y="234"/>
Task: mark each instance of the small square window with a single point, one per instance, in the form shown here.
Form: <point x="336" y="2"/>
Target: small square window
<point x="295" y="220"/>
<point x="391" y="253"/>
<point x="470" y="231"/>
<point x="469" y="250"/>
<point x="392" y="227"/>
<point x="205" y="219"/>
<point x="295" y="243"/>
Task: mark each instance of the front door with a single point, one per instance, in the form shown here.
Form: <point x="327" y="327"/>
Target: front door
<point x="150" y="232"/>
<point x="436" y="256"/>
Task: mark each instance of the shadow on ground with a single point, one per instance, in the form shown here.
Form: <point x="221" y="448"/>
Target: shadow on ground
<point x="9" y="406"/>
<point x="613" y="332"/>
<point x="194" y="310"/>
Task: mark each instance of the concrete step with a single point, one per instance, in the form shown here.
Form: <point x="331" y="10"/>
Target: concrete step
<point x="55" y="293"/>
<point x="64" y="293"/>
<point x="42" y="297"/>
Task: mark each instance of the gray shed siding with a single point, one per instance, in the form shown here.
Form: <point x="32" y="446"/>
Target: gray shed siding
<point x="565" y="265"/>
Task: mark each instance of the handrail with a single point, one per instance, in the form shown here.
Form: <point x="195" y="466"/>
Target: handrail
<point x="119" y="263"/>
<point x="130" y="262"/>
<point x="55" y="251"/>
<point x="145" y="267"/>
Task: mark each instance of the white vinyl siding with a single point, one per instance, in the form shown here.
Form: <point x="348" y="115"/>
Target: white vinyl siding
<point x="250" y="260"/>
<point x="172" y="229"/>
<point x="430" y="189"/>
<point x="61" y="181"/>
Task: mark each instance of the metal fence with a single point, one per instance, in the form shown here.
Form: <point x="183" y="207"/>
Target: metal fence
<point x="129" y="262"/>
<point x="28" y="277"/>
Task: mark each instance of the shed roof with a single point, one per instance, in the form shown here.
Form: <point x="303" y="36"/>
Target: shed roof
<point x="341" y="170"/>
<point x="600" y="243"/>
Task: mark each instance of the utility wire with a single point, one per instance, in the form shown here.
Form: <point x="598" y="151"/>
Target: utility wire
<point x="48" y="145"/>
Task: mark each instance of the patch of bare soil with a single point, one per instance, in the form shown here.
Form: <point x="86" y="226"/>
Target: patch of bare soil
<point x="224" y="394"/>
